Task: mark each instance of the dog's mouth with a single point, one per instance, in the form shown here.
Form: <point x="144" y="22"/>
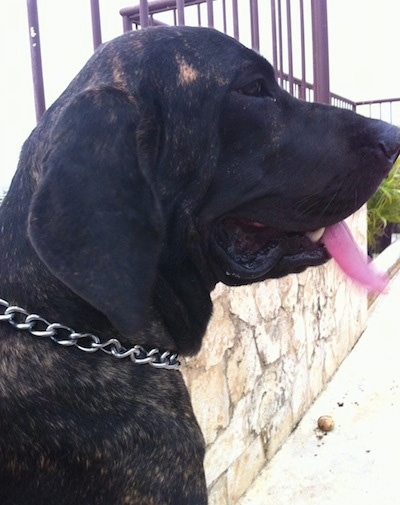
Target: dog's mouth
<point x="249" y="251"/>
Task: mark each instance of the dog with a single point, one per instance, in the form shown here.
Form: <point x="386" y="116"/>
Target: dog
<point x="172" y="162"/>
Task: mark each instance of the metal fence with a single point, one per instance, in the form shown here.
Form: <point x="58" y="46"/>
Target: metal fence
<point x="386" y="109"/>
<point x="292" y="34"/>
<point x="276" y="28"/>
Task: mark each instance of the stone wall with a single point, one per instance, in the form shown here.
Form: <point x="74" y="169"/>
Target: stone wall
<point x="269" y="351"/>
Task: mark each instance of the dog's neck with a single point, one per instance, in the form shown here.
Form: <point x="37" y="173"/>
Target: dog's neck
<point x="64" y="336"/>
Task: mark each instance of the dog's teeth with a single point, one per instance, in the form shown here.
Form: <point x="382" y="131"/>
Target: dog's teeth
<point x="314" y="236"/>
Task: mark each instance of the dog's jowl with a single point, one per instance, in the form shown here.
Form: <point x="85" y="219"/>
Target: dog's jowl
<point x="173" y="161"/>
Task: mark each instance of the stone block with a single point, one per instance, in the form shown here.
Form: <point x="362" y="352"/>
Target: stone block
<point x="230" y="443"/>
<point x="220" y="336"/>
<point x="245" y="469"/>
<point x="210" y="399"/>
<point x="243" y="366"/>
<point x="243" y="305"/>
<point x="218" y="492"/>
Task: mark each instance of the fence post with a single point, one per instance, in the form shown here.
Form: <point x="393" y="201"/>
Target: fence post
<point x="144" y="13"/>
<point x="96" y="25"/>
<point x="36" y="58"/>
<point x="320" y="50"/>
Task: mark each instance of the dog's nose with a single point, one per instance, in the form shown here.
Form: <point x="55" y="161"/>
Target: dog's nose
<point x="390" y="143"/>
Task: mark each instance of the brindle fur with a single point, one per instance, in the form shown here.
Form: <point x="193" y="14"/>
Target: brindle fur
<point x="105" y="229"/>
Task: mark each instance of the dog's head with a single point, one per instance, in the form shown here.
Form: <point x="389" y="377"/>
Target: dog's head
<point x="175" y="161"/>
<point x="292" y="169"/>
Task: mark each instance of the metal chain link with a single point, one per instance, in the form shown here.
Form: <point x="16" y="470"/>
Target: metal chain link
<point x="62" y="335"/>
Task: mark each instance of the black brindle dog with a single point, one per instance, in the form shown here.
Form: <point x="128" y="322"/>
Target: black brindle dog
<point x="173" y="161"/>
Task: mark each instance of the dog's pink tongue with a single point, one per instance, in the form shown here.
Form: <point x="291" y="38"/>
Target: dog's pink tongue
<point x="343" y="249"/>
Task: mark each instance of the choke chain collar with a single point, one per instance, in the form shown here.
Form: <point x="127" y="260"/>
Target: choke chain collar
<point x="62" y="335"/>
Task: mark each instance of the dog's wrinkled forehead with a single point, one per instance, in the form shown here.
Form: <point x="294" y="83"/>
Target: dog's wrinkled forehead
<point x="183" y="57"/>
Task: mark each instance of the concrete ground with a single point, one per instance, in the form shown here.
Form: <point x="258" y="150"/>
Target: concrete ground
<point x="357" y="463"/>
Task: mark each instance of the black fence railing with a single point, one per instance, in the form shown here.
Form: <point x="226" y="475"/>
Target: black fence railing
<point x="282" y="37"/>
<point x="386" y="109"/>
<point x="292" y="34"/>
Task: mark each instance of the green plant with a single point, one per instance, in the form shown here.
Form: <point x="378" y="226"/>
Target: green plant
<point x="384" y="206"/>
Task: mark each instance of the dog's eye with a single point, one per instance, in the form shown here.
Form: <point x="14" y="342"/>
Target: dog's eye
<point x="254" y="88"/>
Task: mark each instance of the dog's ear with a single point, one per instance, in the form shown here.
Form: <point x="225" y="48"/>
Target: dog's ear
<point x="95" y="220"/>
